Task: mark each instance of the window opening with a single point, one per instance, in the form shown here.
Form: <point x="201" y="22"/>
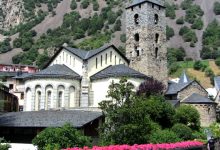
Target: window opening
<point x="106" y="58"/>
<point x="156" y="52"/>
<point x="136" y="37"/>
<point x="156" y="37"/>
<point x="96" y="63"/>
<point x="101" y="60"/>
<point x="156" y="18"/>
<point x="136" y="19"/>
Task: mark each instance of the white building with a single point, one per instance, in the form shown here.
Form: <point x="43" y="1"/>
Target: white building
<point x="77" y="78"/>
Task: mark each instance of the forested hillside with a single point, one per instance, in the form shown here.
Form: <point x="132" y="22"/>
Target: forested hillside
<point x="41" y="26"/>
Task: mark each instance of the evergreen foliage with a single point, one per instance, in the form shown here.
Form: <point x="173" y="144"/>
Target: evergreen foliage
<point x="58" y="138"/>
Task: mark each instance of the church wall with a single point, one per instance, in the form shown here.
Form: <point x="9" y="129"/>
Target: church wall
<point x="32" y="86"/>
<point x="110" y="61"/>
<point x="207" y="113"/>
<point x="70" y="60"/>
<point x="100" y="88"/>
<point x="217" y="99"/>
<point x="192" y="88"/>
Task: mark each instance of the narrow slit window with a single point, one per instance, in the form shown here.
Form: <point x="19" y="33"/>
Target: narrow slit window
<point x="111" y="56"/>
<point x="136" y="19"/>
<point x="70" y="61"/>
<point x="96" y="63"/>
<point x="115" y="60"/>
<point x="106" y="58"/>
<point x="152" y="5"/>
<point x="156" y="18"/>
<point x="136" y="37"/>
<point x="140" y="6"/>
<point x="66" y="58"/>
<point x="101" y="60"/>
<point x="156" y="37"/>
<point x="156" y="52"/>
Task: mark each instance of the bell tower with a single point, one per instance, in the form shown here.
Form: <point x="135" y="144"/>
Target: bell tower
<point x="146" y="38"/>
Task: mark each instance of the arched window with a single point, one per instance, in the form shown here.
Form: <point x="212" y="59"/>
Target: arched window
<point x="60" y="99"/>
<point x="38" y="99"/>
<point x="72" y="101"/>
<point x="156" y="18"/>
<point x="101" y="60"/>
<point x="28" y="99"/>
<point x="48" y="99"/>
<point x="96" y="61"/>
<point x="136" y="19"/>
<point x="156" y="52"/>
<point x="106" y="58"/>
<point x="136" y="37"/>
<point x="156" y="38"/>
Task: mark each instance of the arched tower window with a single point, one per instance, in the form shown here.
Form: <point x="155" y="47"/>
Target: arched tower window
<point x="28" y="99"/>
<point x="136" y="37"/>
<point x="156" y="18"/>
<point x="136" y="19"/>
<point x="72" y="100"/>
<point x="156" y="52"/>
<point x="156" y="38"/>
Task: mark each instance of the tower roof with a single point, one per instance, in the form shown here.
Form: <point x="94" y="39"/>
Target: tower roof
<point x="137" y="2"/>
<point x="184" y="78"/>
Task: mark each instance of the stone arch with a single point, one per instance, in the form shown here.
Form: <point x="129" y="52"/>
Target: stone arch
<point x="72" y="96"/>
<point x="28" y="99"/>
<point x="156" y="18"/>
<point x="38" y="97"/>
<point x="136" y="19"/>
<point x="60" y="96"/>
<point x="48" y="97"/>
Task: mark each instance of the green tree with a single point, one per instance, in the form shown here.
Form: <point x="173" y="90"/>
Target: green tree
<point x="169" y="32"/>
<point x="128" y="114"/>
<point x="217" y="61"/>
<point x="183" y="131"/>
<point x="62" y="137"/>
<point x="189" y="116"/>
<point x="4" y="146"/>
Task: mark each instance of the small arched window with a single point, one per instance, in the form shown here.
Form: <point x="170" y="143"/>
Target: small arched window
<point x="156" y="38"/>
<point x="156" y="52"/>
<point x="60" y="99"/>
<point x="136" y="37"/>
<point x="136" y="19"/>
<point x="156" y="19"/>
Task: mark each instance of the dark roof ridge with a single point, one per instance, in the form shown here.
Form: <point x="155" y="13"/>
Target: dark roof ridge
<point x="137" y="2"/>
<point x="197" y="98"/>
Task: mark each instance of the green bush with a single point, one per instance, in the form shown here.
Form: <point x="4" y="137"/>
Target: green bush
<point x="169" y="32"/>
<point x="62" y="137"/>
<point x="4" y="146"/>
<point x="170" y="11"/>
<point x="197" y="24"/>
<point x="164" y="136"/>
<point x="180" y="20"/>
<point x="85" y="4"/>
<point x="189" y="116"/>
<point x="209" y="72"/>
<point x="184" y="30"/>
<point x="73" y="5"/>
<point x="182" y="131"/>
<point x="216" y="8"/>
<point x="217" y="61"/>
<point x="5" y="46"/>
<point x="198" y="65"/>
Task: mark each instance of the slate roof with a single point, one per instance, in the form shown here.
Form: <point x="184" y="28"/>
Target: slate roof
<point x="184" y="78"/>
<point x="217" y="83"/>
<point x="8" y="74"/>
<point x="22" y="76"/>
<point x="55" y="71"/>
<point x="137" y="2"/>
<point x="77" y="118"/>
<point x="174" y="102"/>
<point x="174" y="88"/>
<point x="197" y="99"/>
<point x="118" y="71"/>
<point x="87" y="54"/>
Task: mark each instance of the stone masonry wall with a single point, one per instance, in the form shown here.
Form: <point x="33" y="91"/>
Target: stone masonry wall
<point x="207" y="114"/>
<point x="148" y="62"/>
<point x="192" y="88"/>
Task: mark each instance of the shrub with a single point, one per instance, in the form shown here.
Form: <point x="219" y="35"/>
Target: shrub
<point x="170" y="11"/>
<point x="217" y="61"/>
<point x="4" y="146"/>
<point x="197" y="24"/>
<point x="198" y="65"/>
<point x="73" y="5"/>
<point x="173" y="68"/>
<point x="180" y="20"/>
<point x="182" y="131"/>
<point x="189" y="116"/>
<point x="62" y="137"/>
<point x="217" y="8"/>
<point x="209" y="72"/>
<point x="164" y="136"/>
<point x="169" y="32"/>
<point x="183" y="30"/>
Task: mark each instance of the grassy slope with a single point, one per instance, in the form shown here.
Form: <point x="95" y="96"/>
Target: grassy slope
<point x="195" y="74"/>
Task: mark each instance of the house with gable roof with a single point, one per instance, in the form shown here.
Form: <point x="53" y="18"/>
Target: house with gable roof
<point x="190" y="92"/>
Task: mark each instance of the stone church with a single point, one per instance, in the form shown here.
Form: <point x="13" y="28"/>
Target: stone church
<point x="76" y="78"/>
